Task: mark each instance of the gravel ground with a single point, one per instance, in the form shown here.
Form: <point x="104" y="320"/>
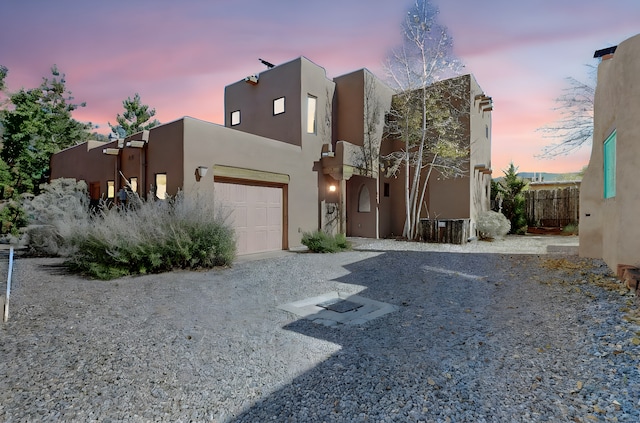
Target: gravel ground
<point x="483" y="333"/>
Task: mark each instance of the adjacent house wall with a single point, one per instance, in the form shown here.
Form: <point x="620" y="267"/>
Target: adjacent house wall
<point x="608" y="227"/>
<point x="480" y="152"/>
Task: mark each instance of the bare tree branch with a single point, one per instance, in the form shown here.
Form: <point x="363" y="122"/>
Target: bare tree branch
<point x="574" y="129"/>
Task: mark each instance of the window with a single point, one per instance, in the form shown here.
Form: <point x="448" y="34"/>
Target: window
<point x="486" y="131"/>
<point x="609" y="162"/>
<point x="111" y="189"/>
<point x="161" y="186"/>
<point x="134" y="184"/>
<point x="311" y="114"/>
<point x="364" y="200"/>
<point x="278" y="106"/>
<point x="235" y="118"/>
<point x="386" y="189"/>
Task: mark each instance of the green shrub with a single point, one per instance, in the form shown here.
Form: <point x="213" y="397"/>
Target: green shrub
<point x="321" y="242"/>
<point x="12" y="217"/>
<point x="153" y="237"/>
<point x="510" y="189"/>
<point x="570" y="229"/>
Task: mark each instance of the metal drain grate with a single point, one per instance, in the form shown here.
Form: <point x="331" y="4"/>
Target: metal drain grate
<point x="339" y="305"/>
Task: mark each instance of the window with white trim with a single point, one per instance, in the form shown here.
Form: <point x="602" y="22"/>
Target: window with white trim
<point x="161" y="186"/>
<point x="134" y="184"/>
<point x="278" y="106"/>
<point x="311" y="114"/>
<point x="235" y="118"/>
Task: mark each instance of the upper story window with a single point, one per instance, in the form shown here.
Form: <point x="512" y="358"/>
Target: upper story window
<point x="311" y="114"/>
<point x="235" y="118"/>
<point x="278" y="106"/>
<point x="609" y="163"/>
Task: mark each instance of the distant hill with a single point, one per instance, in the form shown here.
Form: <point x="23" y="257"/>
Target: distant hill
<point x="550" y="177"/>
<point x="547" y="177"/>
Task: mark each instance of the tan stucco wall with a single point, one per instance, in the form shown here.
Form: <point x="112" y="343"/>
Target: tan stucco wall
<point x="208" y="144"/>
<point x="360" y="105"/>
<point x="608" y="227"/>
<point x="82" y="163"/>
<point x="290" y="80"/>
<point x="362" y="223"/>
<point x="465" y="196"/>
<point x="480" y="147"/>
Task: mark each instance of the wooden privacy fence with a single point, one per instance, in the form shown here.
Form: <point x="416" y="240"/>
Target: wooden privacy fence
<point x="554" y="207"/>
<point x="447" y="231"/>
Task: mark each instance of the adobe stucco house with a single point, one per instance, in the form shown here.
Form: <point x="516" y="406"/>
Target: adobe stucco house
<point x="609" y="195"/>
<point x="288" y="160"/>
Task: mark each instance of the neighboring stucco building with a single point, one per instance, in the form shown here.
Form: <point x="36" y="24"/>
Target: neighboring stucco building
<point x="291" y="158"/>
<point x="609" y="194"/>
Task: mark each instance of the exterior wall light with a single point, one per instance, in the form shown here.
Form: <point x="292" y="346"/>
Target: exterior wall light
<point x="332" y="188"/>
<point x="111" y="151"/>
<point x="202" y="171"/>
<point x="136" y="143"/>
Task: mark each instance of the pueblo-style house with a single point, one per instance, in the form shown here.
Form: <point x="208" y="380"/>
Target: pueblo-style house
<point x="298" y="152"/>
<point x="609" y="195"/>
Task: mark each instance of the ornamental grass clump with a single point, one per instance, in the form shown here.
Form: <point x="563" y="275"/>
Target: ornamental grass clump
<point x="154" y="236"/>
<point x="54" y="216"/>
<point x="322" y="242"/>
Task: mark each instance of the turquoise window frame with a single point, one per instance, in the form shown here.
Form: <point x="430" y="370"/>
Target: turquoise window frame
<point x="609" y="165"/>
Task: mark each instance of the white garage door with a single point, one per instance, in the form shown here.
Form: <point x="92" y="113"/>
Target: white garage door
<point x="256" y="215"/>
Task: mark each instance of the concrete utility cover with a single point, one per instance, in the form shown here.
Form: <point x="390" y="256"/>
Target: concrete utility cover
<point x="338" y="305"/>
<point x="333" y="308"/>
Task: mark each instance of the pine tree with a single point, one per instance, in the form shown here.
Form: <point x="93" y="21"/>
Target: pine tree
<point x="135" y="118"/>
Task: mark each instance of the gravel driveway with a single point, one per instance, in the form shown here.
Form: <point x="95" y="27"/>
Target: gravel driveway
<point x="483" y="333"/>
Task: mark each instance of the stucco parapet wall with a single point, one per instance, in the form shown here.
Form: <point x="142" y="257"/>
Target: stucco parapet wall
<point x="344" y="162"/>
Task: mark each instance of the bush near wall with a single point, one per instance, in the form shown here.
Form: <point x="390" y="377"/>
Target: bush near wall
<point x="154" y="237"/>
<point x="321" y="242"/>
<point x="143" y="237"/>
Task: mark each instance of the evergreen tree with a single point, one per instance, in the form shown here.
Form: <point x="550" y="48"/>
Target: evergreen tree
<point x="513" y="201"/>
<point x="38" y="124"/>
<point x="135" y="118"/>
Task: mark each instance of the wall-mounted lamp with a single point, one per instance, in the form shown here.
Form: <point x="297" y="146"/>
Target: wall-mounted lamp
<point x="111" y="151"/>
<point x="136" y="143"/>
<point x="332" y="188"/>
<point x="202" y="171"/>
<point x="251" y="79"/>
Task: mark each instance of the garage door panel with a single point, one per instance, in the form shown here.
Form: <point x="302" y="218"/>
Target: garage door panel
<point x="256" y="215"/>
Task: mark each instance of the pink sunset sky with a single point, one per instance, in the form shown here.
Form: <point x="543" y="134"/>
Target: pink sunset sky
<point x="180" y="55"/>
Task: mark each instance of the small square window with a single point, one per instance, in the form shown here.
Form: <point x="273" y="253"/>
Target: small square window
<point x="278" y="106"/>
<point x="235" y="118"/>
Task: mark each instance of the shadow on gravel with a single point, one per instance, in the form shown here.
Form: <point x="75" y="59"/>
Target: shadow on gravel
<point x="431" y="359"/>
